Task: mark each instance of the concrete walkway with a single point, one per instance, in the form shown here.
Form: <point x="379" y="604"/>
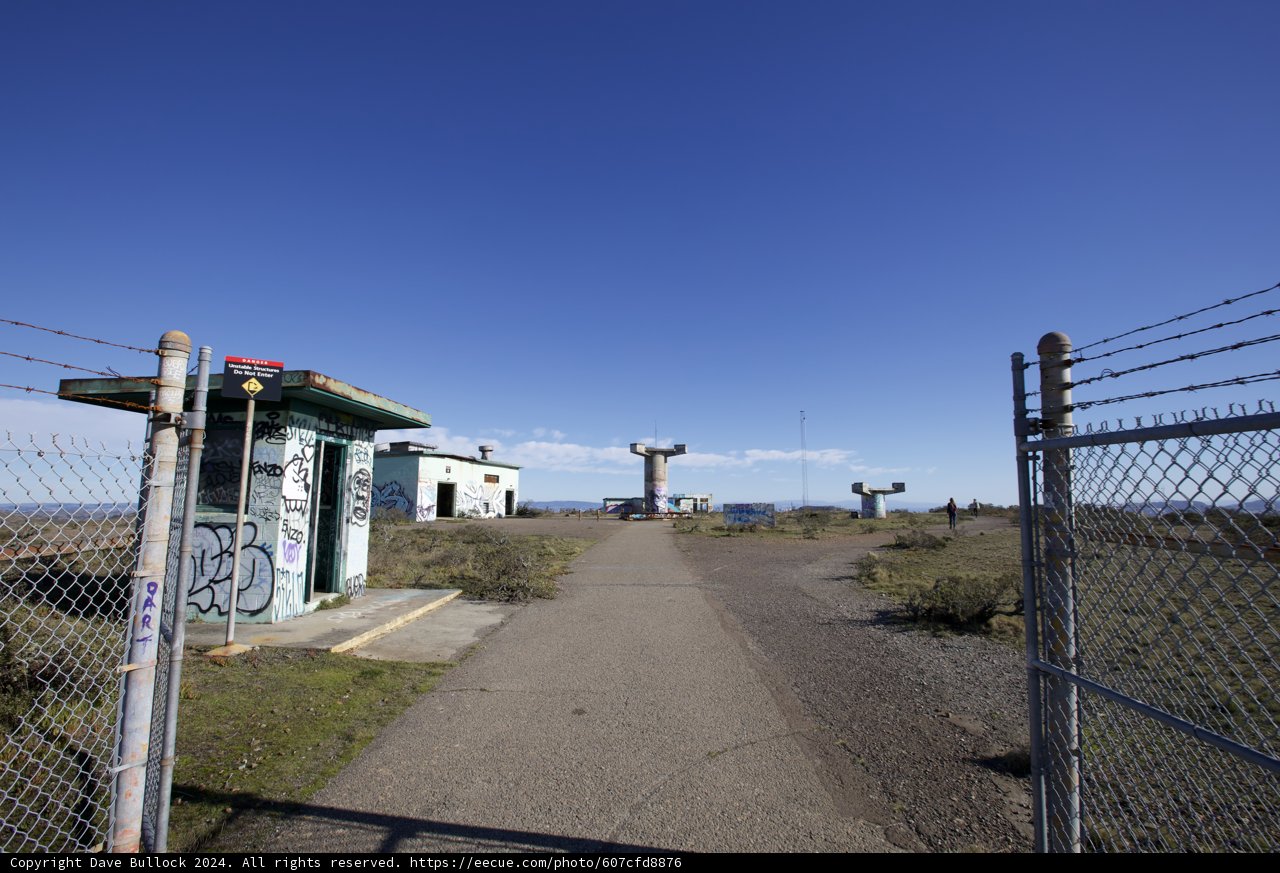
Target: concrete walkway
<point x="378" y="613"/>
<point x="627" y="714"/>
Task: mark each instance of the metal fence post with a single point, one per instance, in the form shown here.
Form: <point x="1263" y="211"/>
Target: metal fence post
<point x="1030" y="606"/>
<point x="195" y="424"/>
<point x="148" y="594"/>
<point x="1062" y="729"/>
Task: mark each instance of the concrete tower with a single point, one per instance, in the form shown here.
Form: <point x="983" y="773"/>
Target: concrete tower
<point x="655" y="474"/>
<point x="873" y="498"/>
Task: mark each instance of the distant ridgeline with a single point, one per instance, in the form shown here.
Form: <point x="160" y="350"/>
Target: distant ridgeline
<point x="71" y="510"/>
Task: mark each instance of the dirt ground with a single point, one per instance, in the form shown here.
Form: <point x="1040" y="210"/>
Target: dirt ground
<point x="925" y="720"/>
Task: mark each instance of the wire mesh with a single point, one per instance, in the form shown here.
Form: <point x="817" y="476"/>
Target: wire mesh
<point x="168" y="612"/>
<point x="1174" y="569"/>
<point x="69" y="514"/>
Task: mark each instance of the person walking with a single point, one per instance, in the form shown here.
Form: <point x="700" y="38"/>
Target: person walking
<point x="952" y="511"/>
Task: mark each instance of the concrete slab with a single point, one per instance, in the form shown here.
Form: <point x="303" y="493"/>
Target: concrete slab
<point x="444" y="635"/>
<point x="228" y="651"/>
<point x="380" y="611"/>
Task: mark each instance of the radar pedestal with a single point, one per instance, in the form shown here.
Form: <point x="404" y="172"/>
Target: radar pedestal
<point x="655" y="474"/>
<point x="873" y="498"/>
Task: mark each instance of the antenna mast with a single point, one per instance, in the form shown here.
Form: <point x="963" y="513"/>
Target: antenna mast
<point x="804" y="465"/>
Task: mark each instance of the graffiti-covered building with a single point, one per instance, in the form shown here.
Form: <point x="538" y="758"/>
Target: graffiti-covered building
<point x="690" y="502"/>
<point x="308" y="502"/>
<point x="425" y="484"/>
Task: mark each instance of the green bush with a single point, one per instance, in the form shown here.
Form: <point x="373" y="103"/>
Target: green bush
<point x="962" y="601"/>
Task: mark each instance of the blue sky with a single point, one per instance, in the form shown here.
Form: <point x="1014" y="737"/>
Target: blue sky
<point x="553" y="225"/>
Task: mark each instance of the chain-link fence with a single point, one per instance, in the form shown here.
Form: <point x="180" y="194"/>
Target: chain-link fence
<point x="1152" y="559"/>
<point x="68" y="544"/>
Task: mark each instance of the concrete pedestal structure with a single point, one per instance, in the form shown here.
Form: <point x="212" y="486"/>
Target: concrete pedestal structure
<point x="873" y="498"/>
<point x="655" y="474"/>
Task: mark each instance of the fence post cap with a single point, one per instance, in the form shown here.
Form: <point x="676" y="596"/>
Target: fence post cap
<point x="177" y="340"/>
<point x="1054" y="343"/>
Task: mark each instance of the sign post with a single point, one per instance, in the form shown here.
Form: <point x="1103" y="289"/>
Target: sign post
<point x="248" y="378"/>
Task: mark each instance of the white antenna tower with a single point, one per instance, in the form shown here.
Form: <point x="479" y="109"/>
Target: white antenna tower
<point x="804" y="465"/>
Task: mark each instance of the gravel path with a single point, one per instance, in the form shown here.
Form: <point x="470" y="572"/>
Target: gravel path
<point x="921" y="718"/>
<point x="631" y="712"/>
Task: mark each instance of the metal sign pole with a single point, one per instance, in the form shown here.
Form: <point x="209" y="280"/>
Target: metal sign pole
<point x="233" y="594"/>
<point x="247" y="378"/>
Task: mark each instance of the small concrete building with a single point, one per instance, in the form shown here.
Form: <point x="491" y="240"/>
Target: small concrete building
<point x="690" y="502"/>
<point x="306" y="530"/>
<point x="623" y="505"/>
<point x="425" y="484"/>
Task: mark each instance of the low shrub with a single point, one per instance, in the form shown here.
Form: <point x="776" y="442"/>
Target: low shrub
<point x="962" y="601"/>
<point x="871" y="571"/>
<point x="918" y="539"/>
<point x="389" y="515"/>
<point x="813" y="522"/>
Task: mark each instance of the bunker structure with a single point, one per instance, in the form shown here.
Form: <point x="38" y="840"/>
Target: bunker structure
<point x="655" y="475"/>
<point x="307" y="504"/>
<point x="873" y="498"/>
<point x="415" y="479"/>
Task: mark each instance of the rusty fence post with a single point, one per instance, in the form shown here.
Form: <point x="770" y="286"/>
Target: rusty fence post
<point x="1062" y="716"/>
<point x="134" y="733"/>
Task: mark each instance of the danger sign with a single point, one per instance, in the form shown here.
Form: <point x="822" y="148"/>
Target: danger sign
<point x="252" y="378"/>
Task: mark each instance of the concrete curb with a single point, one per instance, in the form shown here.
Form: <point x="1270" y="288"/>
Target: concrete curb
<point x="395" y="624"/>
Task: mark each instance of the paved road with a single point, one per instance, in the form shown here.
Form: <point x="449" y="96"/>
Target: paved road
<point x="628" y="713"/>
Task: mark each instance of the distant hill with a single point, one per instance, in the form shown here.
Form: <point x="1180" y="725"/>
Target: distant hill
<point x="558" y="505"/>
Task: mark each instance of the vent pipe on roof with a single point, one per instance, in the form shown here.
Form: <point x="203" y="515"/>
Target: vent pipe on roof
<point x="485" y="452"/>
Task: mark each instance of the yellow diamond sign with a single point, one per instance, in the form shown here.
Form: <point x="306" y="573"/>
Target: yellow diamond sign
<point x="252" y="387"/>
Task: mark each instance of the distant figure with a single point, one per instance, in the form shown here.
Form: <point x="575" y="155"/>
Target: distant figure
<point x="976" y="505"/>
<point x="952" y="510"/>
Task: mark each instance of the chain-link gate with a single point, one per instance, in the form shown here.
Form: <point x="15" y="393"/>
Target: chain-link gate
<point x="1152" y="571"/>
<point x="69" y="513"/>
<point x="87" y="607"/>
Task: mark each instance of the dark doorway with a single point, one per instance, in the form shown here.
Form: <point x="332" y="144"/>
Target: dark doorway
<point x="444" y="499"/>
<point x="511" y="503"/>
<point x="326" y="519"/>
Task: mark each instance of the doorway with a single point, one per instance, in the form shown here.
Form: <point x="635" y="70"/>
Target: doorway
<point x="444" y="499"/>
<point x="511" y="503"/>
<point x="326" y="519"/>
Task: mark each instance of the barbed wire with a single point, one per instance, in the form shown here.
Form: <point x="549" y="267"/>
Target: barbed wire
<point x="1177" y="336"/>
<point x="1239" y="380"/>
<point x="1227" y="302"/>
<point x="1190" y="356"/>
<point x="125" y="403"/>
<point x="111" y="374"/>
<point x="77" y="336"/>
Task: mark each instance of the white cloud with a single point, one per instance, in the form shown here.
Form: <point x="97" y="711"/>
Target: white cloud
<point x="549" y="451"/>
<point x="878" y="471"/>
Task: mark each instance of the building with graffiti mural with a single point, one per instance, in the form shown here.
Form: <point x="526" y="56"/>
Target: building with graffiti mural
<point x="309" y="498"/>
<point x="425" y="484"/>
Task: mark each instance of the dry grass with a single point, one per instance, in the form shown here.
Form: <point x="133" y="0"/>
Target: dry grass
<point x="276" y="725"/>
<point x="484" y="562"/>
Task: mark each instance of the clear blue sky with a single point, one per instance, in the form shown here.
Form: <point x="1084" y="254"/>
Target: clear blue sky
<point x="552" y="224"/>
